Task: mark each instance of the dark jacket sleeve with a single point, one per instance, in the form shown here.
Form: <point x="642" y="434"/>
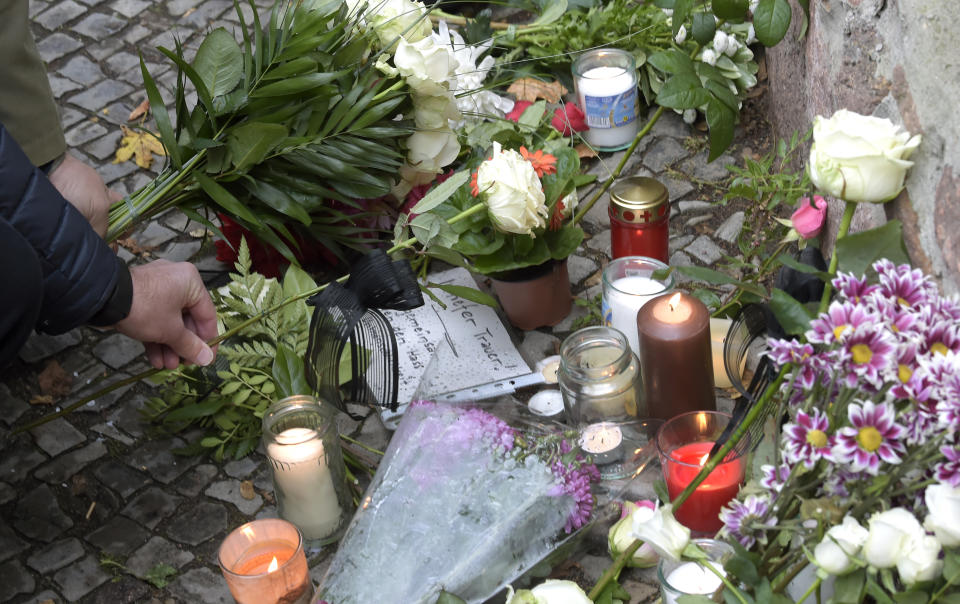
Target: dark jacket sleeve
<point x="80" y="272"/>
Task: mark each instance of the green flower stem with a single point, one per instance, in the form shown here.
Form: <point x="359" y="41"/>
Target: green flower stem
<point x="848" y="211"/>
<point x="227" y="334"/>
<point x="614" y="570"/>
<point x="581" y="212"/>
<point x="727" y="583"/>
<point x="361" y="445"/>
<point x="758" y="410"/>
<point x="813" y="586"/>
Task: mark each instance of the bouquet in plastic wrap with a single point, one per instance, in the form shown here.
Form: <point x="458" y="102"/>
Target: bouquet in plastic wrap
<point x="461" y="503"/>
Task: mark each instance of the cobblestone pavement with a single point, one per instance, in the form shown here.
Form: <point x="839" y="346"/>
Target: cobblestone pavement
<point x="96" y="482"/>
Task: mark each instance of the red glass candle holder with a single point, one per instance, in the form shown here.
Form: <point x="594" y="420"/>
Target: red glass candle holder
<point x="684" y="444"/>
<point x="639" y="218"/>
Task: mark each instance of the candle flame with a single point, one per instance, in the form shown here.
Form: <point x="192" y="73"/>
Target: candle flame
<point x="702" y="422"/>
<point x="273" y="565"/>
<point x="674" y="301"/>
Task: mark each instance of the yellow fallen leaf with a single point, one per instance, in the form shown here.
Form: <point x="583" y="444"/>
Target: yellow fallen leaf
<point x="246" y="490"/>
<point x="139" y="111"/>
<point x="531" y="89"/>
<point x="139" y="145"/>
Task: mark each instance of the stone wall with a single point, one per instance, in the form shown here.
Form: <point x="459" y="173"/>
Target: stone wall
<point x="896" y="59"/>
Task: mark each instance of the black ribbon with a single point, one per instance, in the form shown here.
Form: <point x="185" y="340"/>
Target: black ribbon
<point x="348" y="312"/>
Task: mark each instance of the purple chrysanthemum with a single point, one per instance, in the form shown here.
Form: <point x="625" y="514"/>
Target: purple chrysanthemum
<point x="782" y="352"/>
<point x="908" y="286"/>
<point x="806" y="441"/>
<point x="839" y="322"/>
<point x="774" y="477"/>
<point x="920" y="422"/>
<point x="908" y="383"/>
<point x="744" y="520"/>
<point x="948" y="472"/>
<point x="839" y="481"/>
<point x="851" y="287"/>
<point x="575" y="480"/>
<point x="942" y="337"/>
<point x="871" y="352"/>
<point x="873" y="436"/>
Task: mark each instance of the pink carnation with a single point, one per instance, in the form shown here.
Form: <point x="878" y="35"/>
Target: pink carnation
<point x="808" y="219"/>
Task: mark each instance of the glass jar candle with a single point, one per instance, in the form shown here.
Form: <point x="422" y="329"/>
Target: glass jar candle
<point x="302" y="444"/>
<point x="605" y="80"/>
<point x="680" y="578"/>
<point x="263" y="562"/>
<point x="629" y="283"/>
<point x="639" y="218"/>
<point x="599" y="377"/>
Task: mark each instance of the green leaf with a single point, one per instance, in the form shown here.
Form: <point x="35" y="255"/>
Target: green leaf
<point x="879" y="594"/>
<point x="295" y="85"/>
<point x="160" y="114"/>
<point x="672" y="61"/>
<point x="159" y="576"/>
<point x="250" y="143"/>
<point x="792" y="315"/>
<point x="224" y="198"/>
<point x="708" y="275"/>
<point x="296" y="281"/>
<point x="430" y="230"/>
<point x="731" y="10"/>
<point x="219" y="62"/>
<point x="798" y="266"/>
<point x="554" y="10"/>
<point x="681" y="10"/>
<point x="295" y="67"/>
<point x="911" y="597"/>
<point x="771" y="20"/>
<point x="440" y="193"/>
<point x="467" y="293"/>
<point x="721" y="120"/>
<point x="743" y="569"/>
<point x="210" y="441"/>
<point x="683" y="91"/>
<point x="533" y="114"/>
<point x="449" y="598"/>
<point x="288" y="373"/>
<point x="704" y="26"/>
<point x="855" y="253"/>
<point x="278" y="199"/>
<point x="660" y="488"/>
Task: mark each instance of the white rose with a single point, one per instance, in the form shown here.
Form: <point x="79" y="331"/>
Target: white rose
<point x="662" y="531"/>
<point x="390" y="19"/>
<point x="570" y="203"/>
<point x="621" y="536"/>
<point x="892" y="534"/>
<point x="943" y="503"/>
<point x="720" y="42"/>
<point x="513" y="193"/>
<point x="553" y="591"/>
<point x="921" y="563"/>
<point x="860" y="158"/>
<point x="841" y="542"/>
<point x="426" y="66"/>
<point x="433" y="112"/>
<point x="431" y="150"/>
<point x="709" y="56"/>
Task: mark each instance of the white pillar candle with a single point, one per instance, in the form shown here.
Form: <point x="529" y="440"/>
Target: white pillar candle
<point x="691" y="578"/>
<point x="303" y="476"/>
<point x="623" y="300"/>
<point x="608" y="95"/>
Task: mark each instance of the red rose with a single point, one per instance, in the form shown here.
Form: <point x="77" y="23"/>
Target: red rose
<point x="569" y="119"/>
<point x="518" y="108"/>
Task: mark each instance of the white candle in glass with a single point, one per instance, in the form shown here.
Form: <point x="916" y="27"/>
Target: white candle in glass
<point x="608" y="96"/>
<point x="624" y="300"/>
<point x="547" y="403"/>
<point x="602" y="441"/>
<point x="718" y="333"/>
<point x="691" y="578"/>
<point x="302" y="474"/>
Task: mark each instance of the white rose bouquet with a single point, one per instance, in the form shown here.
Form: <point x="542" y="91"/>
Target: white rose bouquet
<point x="528" y="200"/>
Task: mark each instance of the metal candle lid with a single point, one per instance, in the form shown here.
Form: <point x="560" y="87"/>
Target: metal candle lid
<point x="639" y="199"/>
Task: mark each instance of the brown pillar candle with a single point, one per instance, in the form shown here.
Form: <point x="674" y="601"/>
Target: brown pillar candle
<point x="675" y="363"/>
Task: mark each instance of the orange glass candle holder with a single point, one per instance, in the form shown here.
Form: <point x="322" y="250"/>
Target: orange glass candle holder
<point x="684" y="445"/>
<point x="263" y="562"/>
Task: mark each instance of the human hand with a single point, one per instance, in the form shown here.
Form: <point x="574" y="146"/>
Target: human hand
<point x="172" y="314"/>
<point x="84" y="189"/>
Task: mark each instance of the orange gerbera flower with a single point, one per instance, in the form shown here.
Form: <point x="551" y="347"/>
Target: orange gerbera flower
<point x="474" y="186"/>
<point x="543" y="163"/>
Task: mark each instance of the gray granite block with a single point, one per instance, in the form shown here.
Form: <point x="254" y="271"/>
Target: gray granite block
<point x="80" y="578"/>
<point x="151" y="506"/>
<point x="38" y="515"/>
<point x="56" y="555"/>
<point x="57" y="436"/>
<point x="196" y="522"/>
<point x="119" y="536"/>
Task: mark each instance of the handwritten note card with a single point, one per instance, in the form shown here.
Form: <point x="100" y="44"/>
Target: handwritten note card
<point x="444" y="349"/>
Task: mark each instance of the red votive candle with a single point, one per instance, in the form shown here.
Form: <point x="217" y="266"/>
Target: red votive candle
<point x="263" y="562"/>
<point x="684" y="445"/>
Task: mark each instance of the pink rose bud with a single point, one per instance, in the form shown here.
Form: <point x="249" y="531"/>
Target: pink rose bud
<point x="569" y="119"/>
<point x="809" y="217"/>
<point x="627" y="507"/>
